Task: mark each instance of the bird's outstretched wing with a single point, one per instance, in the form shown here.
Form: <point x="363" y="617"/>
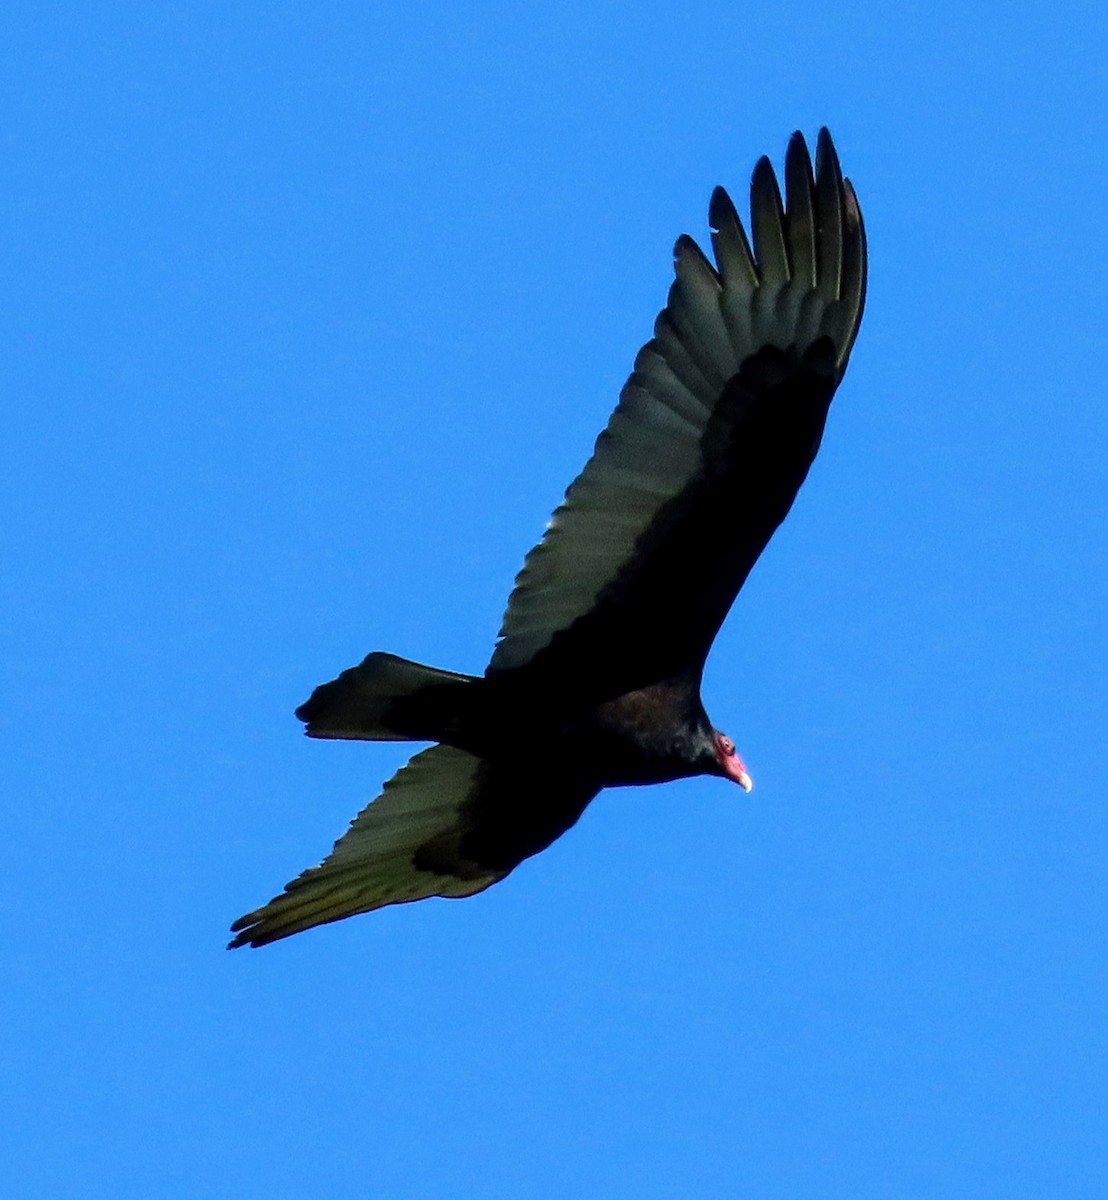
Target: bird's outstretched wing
<point x="713" y="435"/>
<point x="446" y="824"/>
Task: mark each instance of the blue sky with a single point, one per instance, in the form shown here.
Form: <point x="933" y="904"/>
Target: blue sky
<point x="310" y="313"/>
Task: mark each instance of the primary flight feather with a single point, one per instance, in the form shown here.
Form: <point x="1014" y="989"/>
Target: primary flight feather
<point x="604" y="639"/>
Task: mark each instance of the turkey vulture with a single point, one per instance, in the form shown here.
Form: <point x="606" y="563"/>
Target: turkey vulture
<point x="603" y="643"/>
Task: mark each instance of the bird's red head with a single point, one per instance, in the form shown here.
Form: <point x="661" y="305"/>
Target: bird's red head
<point x="733" y="766"/>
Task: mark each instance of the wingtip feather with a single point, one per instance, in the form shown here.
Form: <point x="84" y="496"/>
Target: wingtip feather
<point x="829" y="209"/>
<point x="800" y="211"/>
<point x="767" y="220"/>
<point x="855" y="264"/>
<point x="729" y="242"/>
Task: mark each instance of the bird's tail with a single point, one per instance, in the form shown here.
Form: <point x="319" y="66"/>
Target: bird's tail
<point x="390" y="699"/>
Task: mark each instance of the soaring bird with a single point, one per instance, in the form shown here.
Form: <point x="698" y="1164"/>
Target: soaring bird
<point x="603" y="643"/>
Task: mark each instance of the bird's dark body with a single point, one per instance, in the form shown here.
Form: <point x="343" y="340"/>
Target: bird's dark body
<point x="651" y="734"/>
<point x="596" y="680"/>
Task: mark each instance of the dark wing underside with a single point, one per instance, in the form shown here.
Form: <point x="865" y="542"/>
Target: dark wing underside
<point x="446" y="824"/>
<point x="713" y="435"/>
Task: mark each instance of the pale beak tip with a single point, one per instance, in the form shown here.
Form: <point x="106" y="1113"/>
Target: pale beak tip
<point x="745" y="782"/>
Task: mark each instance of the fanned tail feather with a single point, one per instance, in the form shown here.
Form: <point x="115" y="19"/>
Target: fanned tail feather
<point x="387" y="698"/>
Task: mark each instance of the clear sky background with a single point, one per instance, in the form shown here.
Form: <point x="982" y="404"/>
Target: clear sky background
<point x="309" y="315"/>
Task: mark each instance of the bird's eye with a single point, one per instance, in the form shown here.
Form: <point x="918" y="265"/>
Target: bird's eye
<point x="727" y="746"/>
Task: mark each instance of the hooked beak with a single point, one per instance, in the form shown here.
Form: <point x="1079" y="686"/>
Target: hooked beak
<point x="728" y="758"/>
<point x="736" y="770"/>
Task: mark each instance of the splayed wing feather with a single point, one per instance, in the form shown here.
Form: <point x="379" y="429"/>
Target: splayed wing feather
<point x="767" y="220"/>
<point x="732" y="250"/>
<point x="801" y="214"/>
<point x="852" y="292"/>
<point x="829" y="209"/>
